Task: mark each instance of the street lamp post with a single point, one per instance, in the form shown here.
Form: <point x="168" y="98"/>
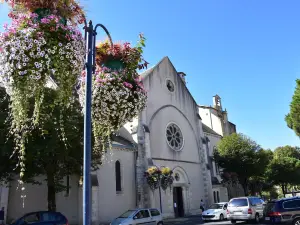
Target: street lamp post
<point x="90" y="39"/>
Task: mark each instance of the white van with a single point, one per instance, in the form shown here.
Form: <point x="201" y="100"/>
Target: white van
<point x="245" y="209"/>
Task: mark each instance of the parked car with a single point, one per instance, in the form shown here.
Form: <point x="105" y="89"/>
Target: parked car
<point x="245" y="209"/>
<point x="42" y="218"/>
<point x="217" y="211"/>
<point x="285" y="210"/>
<point x="139" y="216"/>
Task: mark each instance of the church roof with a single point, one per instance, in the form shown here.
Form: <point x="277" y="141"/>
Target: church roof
<point x="207" y="129"/>
<point x="147" y="72"/>
<point x="166" y="59"/>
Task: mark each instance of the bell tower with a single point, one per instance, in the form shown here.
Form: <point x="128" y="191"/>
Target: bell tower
<point x="217" y="103"/>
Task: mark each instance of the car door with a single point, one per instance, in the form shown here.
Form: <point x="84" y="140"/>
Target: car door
<point x="142" y="217"/>
<point x="155" y="214"/>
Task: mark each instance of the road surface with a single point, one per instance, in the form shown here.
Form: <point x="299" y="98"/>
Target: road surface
<point x="195" y="220"/>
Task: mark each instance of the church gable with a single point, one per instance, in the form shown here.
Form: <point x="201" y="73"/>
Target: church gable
<point x="166" y="87"/>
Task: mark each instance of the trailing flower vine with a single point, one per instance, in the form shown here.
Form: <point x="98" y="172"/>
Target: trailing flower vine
<point x="166" y="178"/>
<point x="156" y="177"/>
<point x="118" y="94"/>
<point x="34" y="55"/>
<point x="152" y="175"/>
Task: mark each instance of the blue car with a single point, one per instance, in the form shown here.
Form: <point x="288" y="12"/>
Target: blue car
<point x="283" y="211"/>
<point x="42" y="218"/>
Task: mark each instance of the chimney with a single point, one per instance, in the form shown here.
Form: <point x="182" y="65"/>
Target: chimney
<point x="182" y="75"/>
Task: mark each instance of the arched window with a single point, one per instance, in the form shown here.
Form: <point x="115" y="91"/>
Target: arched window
<point x="118" y="176"/>
<point x="218" y="197"/>
<point x="215" y="198"/>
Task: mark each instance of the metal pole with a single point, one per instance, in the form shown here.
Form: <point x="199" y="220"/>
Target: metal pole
<point x="159" y="190"/>
<point x="88" y="129"/>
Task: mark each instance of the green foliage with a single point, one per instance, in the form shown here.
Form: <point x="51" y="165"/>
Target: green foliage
<point x="239" y="154"/>
<point x="293" y="118"/>
<point x="46" y="152"/>
<point x="287" y="151"/>
<point x="284" y="170"/>
<point x="7" y="163"/>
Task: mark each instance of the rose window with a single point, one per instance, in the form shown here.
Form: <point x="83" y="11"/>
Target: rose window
<point x="174" y="137"/>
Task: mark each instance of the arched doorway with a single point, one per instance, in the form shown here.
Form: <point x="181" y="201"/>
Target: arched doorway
<point x="180" y="192"/>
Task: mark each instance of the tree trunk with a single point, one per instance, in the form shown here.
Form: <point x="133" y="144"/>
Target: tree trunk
<point x="51" y="192"/>
<point x="283" y="190"/>
<point x="244" y="184"/>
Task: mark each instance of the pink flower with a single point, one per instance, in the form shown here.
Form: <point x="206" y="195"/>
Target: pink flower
<point x="5" y="26"/>
<point x="126" y="84"/>
<point x="33" y="15"/>
<point x="45" y="20"/>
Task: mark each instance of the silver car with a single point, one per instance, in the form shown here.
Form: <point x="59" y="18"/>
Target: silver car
<point x="139" y="216"/>
<point x="245" y="209"/>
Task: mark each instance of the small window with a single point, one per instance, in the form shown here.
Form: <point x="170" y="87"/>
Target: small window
<point x="218" y="197"/>
<point x="154" y="212"/>
<point x="292" y="204"/>
<point x="170" y="86"/>
<point x="238" y="202"/>
<point x="118" y="176"/>
<point x="51" y="217"/>
<point x="32" y="218"/>
<point x="145" y="213"/>
<point x="215" y="197"/>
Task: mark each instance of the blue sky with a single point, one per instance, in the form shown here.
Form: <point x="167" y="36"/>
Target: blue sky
<point x="248" y="52"/>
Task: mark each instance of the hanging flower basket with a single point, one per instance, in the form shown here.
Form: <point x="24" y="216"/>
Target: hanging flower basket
<point x="166" y="178"/>
<point x="118" y="94"/>
<point x="115" y="101"/>
<point x="153" y="177"/>
<point x="32" y="56"/>
<point x="66" y="9"/>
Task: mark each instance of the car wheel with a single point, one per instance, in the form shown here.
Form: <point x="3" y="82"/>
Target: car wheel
<point x="233" y="221"/>
<point x="160" y="223"/>
<point x="296" y="222"/>
<point x="257" y="218"/>
<point x="221" y="217"/>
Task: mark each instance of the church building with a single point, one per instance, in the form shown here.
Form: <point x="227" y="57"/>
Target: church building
<point x="172" y="131"/>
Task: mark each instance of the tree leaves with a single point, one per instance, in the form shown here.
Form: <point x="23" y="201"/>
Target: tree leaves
<point x="240" y="155"/>
<point x="293" y="118"/>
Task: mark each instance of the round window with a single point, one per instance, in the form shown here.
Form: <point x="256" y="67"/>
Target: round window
<point x="174" y="137"/>
<point x="170" y="86"/>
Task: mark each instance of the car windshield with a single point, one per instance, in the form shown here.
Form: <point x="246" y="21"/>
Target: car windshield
<point x="127" y="214"/>
<point x="240" y="202"/>
<point x="216" y="206"/>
